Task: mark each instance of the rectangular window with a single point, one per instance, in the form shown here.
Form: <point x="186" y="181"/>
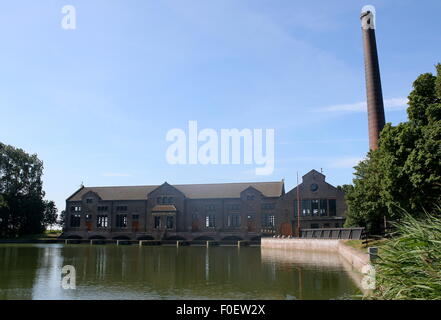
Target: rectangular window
<point x="121" y="221"/>
<point x="210" y="221"/>
<point x="306" y="207"/>
<point x="75" y="221"/>
<point x="332" y="207"/>
<point x="75" y="208"/>
<point x="157" y="222"/>
<point x="268" y="206"/>
<point x="211" y="207"/>
<point x="101" y="221"/>
<point x="170" y="222"/>
<point x="135" y="217"/>
<point x="164" y="200"/>
<point x="323" y="207"/>
<point x="315" y="207"/>
<point x="234" y="220"/>
<point x="250" y="197"/>
<point x="268" y="220"/>
<point x="89" y="200"/>
<point x="234" y="207"/>
<point x="102" y="208"/>
<point x="121" y="208"/>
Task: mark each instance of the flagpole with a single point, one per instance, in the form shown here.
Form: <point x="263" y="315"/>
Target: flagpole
<point x="298" y="206"/>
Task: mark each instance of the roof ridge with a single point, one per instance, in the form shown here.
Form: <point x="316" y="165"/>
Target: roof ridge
<point x="186" y="184"/>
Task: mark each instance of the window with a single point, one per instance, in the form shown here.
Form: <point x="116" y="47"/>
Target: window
<point x="75" y="221"/>
<point x="306" y="207"/>
<point x="157" y="222"/>
<point x="121" y="208"/>
<point x="210" y="221"/>
<point x="135" y="217"/>
<point x="75" y="208"/>
<point x="102" y="208"/>
<point x="121" y="221"/>
<point x="250" y="197"/>
<point x="332" y="207"/>
<point x="89" y="200"/>
<point x="323" y="207"/>
<point x="211" y="207"/>
<point x="315" y="207"/>
<point x="164" y="200"/>
<point x="268" y="220"/>
<point x="268" y="206"/>
<point x="314" y="226"/>
<point x="233" y="220"/>
<point x="169" y="222"/>
<point x="234" y="207"/>
<point x="101" y="221"/>
<point x="88" y="217"/>
<point x="251" y="217"/>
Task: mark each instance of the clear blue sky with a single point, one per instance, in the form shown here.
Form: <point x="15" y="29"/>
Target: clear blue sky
<point x="95" y="103"/>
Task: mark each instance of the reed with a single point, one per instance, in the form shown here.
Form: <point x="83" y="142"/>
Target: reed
<point x="409" y="264"/>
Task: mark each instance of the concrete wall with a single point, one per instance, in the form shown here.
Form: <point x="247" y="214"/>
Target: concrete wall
<point x="354" y="257"/>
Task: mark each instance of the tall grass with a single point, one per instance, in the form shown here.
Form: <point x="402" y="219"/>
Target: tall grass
<point x="409" y="264"/>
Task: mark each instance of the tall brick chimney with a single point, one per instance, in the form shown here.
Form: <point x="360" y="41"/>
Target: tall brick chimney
<point x="376" y="119"/>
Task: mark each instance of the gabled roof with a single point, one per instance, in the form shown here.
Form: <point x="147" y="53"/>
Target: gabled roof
<point x="192" y="191"/>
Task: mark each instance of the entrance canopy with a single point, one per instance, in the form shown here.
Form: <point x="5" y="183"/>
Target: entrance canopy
<point x="164" y="210"/>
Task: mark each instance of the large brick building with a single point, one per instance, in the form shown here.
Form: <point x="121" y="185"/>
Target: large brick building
<point x="202" y="211"/>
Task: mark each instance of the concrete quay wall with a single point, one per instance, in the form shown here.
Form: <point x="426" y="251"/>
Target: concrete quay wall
<point x="352" y="256"/>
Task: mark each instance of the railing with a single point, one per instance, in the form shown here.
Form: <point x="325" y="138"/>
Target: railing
<point x="333" y="233"/>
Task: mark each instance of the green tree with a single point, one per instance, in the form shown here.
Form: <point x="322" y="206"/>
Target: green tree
<point x="405" y="171"/>
<point x="62" y="219"/>
<point x="22" y="208"/>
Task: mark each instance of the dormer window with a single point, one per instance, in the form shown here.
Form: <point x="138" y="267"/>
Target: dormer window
<point x="250" y="197"/>
<point x="89" y="200"/>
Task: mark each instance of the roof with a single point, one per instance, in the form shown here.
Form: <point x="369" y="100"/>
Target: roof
<point x="192" y="191"/>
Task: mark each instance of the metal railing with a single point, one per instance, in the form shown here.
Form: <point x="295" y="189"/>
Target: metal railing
<point x="333" y="233"/>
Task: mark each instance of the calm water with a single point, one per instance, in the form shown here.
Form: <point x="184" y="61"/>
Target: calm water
<point x="132" y="272"/>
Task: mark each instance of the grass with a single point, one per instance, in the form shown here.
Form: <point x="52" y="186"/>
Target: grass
<point x="358" y="244"/>
<point x="409" y="264"/>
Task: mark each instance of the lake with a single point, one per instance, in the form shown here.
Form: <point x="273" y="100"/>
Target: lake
<point x="34" y="271"/>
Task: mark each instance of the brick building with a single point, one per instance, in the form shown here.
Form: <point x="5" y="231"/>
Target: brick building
<point x="201" y="211"/>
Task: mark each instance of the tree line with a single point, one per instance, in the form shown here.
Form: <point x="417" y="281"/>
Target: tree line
<point x="23" y="209"/>
<point x="404" y="174"/>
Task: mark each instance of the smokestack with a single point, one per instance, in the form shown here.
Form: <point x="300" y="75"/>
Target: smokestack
<point x="376" y="119"/>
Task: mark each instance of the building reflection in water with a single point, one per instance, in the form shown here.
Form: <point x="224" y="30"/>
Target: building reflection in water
<point x="160" y="272"/>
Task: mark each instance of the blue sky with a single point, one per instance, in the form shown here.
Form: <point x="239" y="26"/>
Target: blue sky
<point x="95" y="103"/>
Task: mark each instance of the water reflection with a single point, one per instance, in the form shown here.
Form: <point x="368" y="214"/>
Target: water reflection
<point x="132" y="272"/>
